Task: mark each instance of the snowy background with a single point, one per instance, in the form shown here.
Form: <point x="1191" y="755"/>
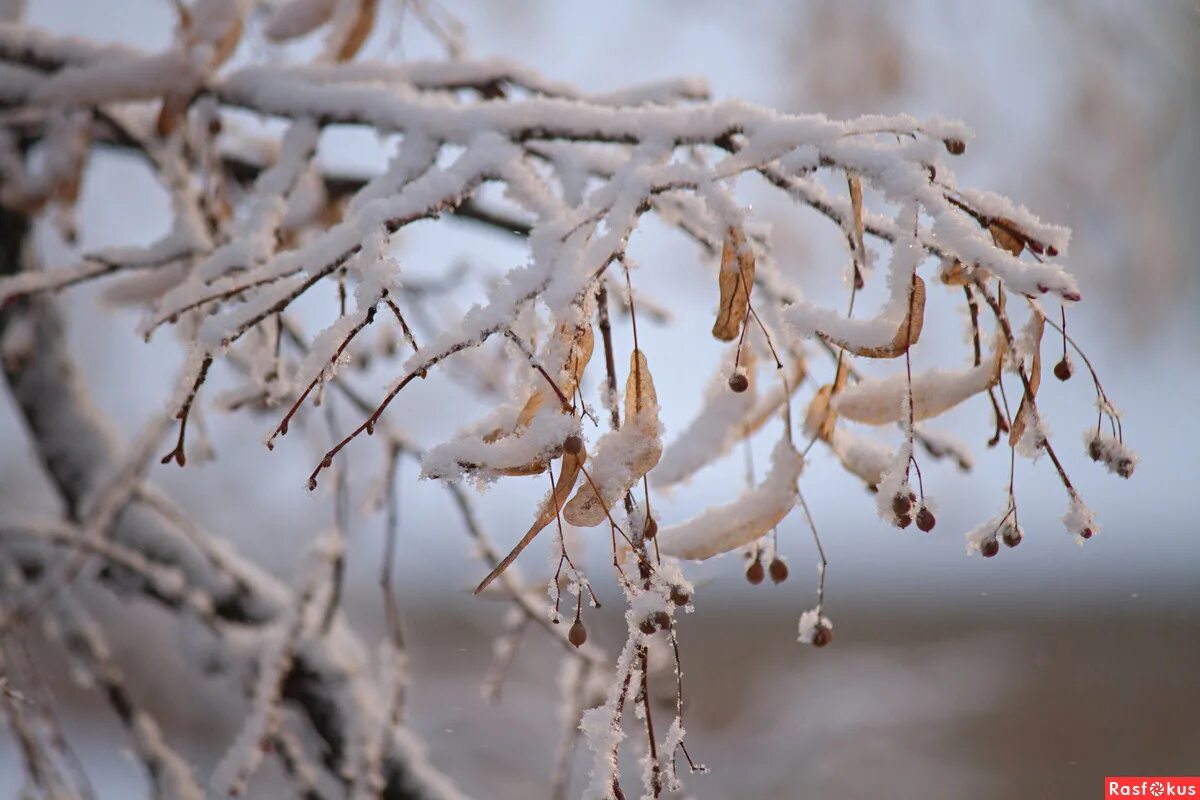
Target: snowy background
<point x="1032" y="674"/>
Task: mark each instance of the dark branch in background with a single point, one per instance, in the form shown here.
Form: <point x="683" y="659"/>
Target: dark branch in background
<point x="77" y="450"/>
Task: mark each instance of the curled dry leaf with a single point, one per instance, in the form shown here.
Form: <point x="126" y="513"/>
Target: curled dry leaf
<point x="735" y="279"/>
<point x="881" y="401"/>
<point x="907" y="334"/>
<point x="549" y="509"/>
<point x="1021" y="420"/>
<point x="856" y="206"/>
<point x="622" y="456"/>
<point x="1003" y="234"/>
<point x="821" y="417"/>
<point x="745" y="520"/>
<point x="955" y="274"/>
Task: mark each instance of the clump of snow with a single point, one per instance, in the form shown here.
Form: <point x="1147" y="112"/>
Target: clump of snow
<point x="810" y="621"/>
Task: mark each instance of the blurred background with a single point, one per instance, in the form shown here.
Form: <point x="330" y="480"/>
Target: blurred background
<point x="1034" y="674"/>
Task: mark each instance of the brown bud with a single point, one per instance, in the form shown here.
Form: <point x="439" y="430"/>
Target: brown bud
<point x="926" y="520"/>
<point x="679" y="597"/>
<point x="903" y="521"/>
<point x="1063" y="369"/>
<point x="1051" y="250"/>
<point x="573" y="445"/>
<point x="651" y="529"/>
<point x="822" y="635"/>
<point x="901" y="504"/>
<point x="578" y="634"/>
<point x="778" y="570"/>
<point x="989" y="548"/>
<point x="755" y="573"/>
<point x="739" y="382"/>
<point x="956" y="147"/>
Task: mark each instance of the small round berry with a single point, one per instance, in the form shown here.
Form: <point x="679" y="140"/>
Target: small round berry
<point x="926" y="520"/>
<point x="956" y="147"/>
<point x="679" y="597"/>
<point x="1012" y="536"/>
<point x="646" y="626"/>
<point x="778" y="570"/>
<point x="578" y="634"/>
<point x="573" y="445"/>
<point x="1063" y="369"/>
<point x="1095" y="450"/>
<point x="1125" y="467"/>
<point x="903" y="521"/>
<point x="989" y="548"/>
<point x="1086" y="533"/>
<point x="901" y="504"/>
<point x="755" y="573"/>
<point x="739" y="382"/>
<point x="1051" y="250"/>
<point x="822" y="636"/>
<point x="661" y="620"/>
<point x="651" y="529"/>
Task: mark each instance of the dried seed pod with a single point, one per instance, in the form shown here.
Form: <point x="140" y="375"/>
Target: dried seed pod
<point x="901" y="504"/>
<point x="1063" y="369"/>
<point x="822" y="636"/>
<point x="1012" y="535"/>
<point x="903" y="521"/>
<point x="646" y="626"/>
<point x="755" y="573"/>
<point x="1095" y="449"/>
<point x="661" y="620"/>
<point x="1086" y="533"/>
<point x="679" y="597"/>
<point x="955" y="147"/>
<point x="578" y="634"/>
<point x="735" y="279"/>
<point x="739" y="382"/>
<point x="573" y="445"/>
<point x="925" y="519"/>
<point x="989" y="548"/>
<point x="651" y="529"/>
<point x="778" y="570"/>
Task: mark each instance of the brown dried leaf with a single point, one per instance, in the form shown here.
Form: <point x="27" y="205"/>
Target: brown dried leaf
<point x="820" y="419"/>
<point x="735" y="280"/>
<point x="1003" y="236"/>
<point x="955" y="275"/>
<point x="639" y="388"/>
<point x="1021" y="421"/>
<point x="550" y="508"/>
<point x="908" y="334"/>
<point x="856" y="205"/>
<point x="580" y="344"/>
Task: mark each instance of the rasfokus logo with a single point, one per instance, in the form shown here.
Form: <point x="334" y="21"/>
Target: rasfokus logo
<point x="1157" y="786"/>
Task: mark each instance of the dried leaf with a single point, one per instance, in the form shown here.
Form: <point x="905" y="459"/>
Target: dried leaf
<point x="623" y="456"/>
<point x="550" y="508"/>
<point x="735" y="280"/>
<point x="908" y="334"/>
<point x="821" y="418"/>
<point x="1005" y="238"/>
<point x="880" y="401"/>
<point x="955" y="274"/>
<point x="856" y="205"/>
<point x="1021" y="421"/>
<point x="579" y="344"/>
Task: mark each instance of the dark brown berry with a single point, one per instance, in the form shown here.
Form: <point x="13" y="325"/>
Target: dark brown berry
<point x="903" y="521"/>
<point x="1012" y="537"/>
<point x="679" y="597"/>
<point x="901" y="504"/>
<point x="578" y="634"/>
<point x="1063" y="370"/>
<point x="755" y="573"/>
<point x="661" y="620"/>
<point x="651" y="529"/>
<point x="989" y="548"/>
<point x="1086" y="533"/>
<point x="778" y="570"/>
<point x="1095" y="451"/>
<point x="1125" y="467"/>
<point x="926" y="520"/>
<point x="573" y="445"/>
<point x="956" y="147"/>
<point x="1051" y="250"/>
<point x="822" y="635"/>
<point x="739" y="382"/>
<point x="646" y="626"/>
